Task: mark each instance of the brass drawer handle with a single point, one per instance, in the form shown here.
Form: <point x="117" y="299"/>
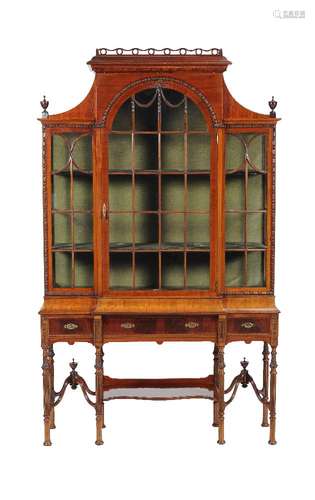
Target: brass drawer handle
<point x="127" y="325"/>
<point x="191" y="324"/>
<point x="247" y="324"/>
<point x="70" y="326"/>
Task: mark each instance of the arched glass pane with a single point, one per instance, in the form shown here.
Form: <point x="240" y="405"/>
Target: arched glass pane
<point x="159" y="186"/>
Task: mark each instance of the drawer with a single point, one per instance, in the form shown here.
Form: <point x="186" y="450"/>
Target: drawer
<point x="248" y="324"/>
<point x="130" y="324"/>
<point x="159" y="325"/>
<point x="70" y="327"/>
<point x="190" y="324"/>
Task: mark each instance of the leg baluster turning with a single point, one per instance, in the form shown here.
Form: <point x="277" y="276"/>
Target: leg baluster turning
<point x="265" y="389"/>
<point x="272" y="403"/>
<point x="99" y="405"/>
<point x="220" y="392"/>
<point x="215" y="398"/>
<point x="48" y="391"/>
<point x="52" y="413"/>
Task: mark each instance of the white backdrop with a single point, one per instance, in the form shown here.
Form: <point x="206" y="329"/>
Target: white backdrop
<point x="154" y="449"/>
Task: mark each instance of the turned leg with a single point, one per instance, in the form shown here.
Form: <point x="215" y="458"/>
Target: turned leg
<point x="273" y="381"/>
<point x="47" y="386"/>
<point x="220" y="392"/>
<point x="215" y="399"/>
<point x="52" y="411"/>
<point x="99" y="405"/>
<point x="265" y="422"/>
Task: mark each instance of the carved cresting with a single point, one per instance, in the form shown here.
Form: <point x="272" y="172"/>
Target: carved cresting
<point x="158" y="52"/>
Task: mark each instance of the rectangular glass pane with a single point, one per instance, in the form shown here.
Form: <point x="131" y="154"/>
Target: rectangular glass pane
<point x="147" y="270"/>
<point x="173" y="270"/>
<point x="82" y="192"/>
<point x="62" y="266"/>
<point x="173" y="192"/>
<point x="146" y="196"/>
<point x="146" y="152"/>
<point x="120" y="273"/>
<point x="199" y="152"/>
<point x="198" y="270"/>
<point x="172" y="151"/>
<point x="256" y="192"/>
<point x="172" y="229"/>
<point x="199" y="192"/>
<point x="120" y="229"/>
<point x="255" y="229"/>
<point x="119" y="152"/>
<point x="61" y="191"/>
<point x="83" y="269"/>
<point x="83" y="230"/>
<point x="234" y="269"/>
<point x="234" y="230"/>
<point x="256" y="269"/>
<point x="198" y="229"/>
<point x="235" y="192"/>
<point x="61" y="230"/>
<point x="146" y="229"/>
<point x="120" y="194"/>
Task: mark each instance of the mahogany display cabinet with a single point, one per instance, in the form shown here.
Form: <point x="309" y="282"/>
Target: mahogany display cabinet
<point x="159" y="225"/>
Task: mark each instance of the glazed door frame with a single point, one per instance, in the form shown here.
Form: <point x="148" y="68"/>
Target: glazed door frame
<point x="48" y="132"/>
<point x="268" y="132"/>
<point x="103" y="173"/>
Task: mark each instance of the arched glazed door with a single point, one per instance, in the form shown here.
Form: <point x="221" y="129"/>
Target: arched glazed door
<point x="160" y="180"/>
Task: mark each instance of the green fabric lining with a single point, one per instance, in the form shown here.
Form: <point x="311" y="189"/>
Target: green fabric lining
<point x="172" y="194"/>
<point x="235" y="200"/>
<point x="173" y="270"/>
<point x="62" y="269"/>
<point x="83" y="270"/>
<point x="82" y="200"/>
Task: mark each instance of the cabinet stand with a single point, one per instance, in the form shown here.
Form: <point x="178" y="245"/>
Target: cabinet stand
<point x="210" y="387"/>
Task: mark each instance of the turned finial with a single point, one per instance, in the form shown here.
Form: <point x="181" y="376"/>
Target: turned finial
<point x="73" y="365"/>
<point x="44" y="104"/>
<point x="244" y="364"/>
<point x="272" y="106"/>
<point x="73" y="378"/>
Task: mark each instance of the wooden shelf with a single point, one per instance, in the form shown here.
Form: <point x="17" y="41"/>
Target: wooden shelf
<point x="164" y="247"/>
<point x="158" y="172"/>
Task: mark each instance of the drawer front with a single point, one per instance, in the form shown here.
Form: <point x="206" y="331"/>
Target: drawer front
<point x="130" y="324"/>
<point x="159" y="325"/>
<point x="249" y="324"/>
<point x="71" y="327"/>
<point x="190" y="324"/>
